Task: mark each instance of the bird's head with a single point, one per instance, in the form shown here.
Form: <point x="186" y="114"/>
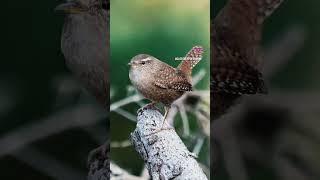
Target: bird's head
<point x="141" y="66"/>
<point x="142" y="61"/>
<point x="81" y="6"/>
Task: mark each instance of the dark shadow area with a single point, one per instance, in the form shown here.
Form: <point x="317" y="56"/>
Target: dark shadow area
<point x="48" y="122"/>
<point x="275" y="136"/>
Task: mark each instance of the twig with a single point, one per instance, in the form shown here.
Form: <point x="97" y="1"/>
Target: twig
<point x="223" y="134"/>
<point x="125" y="101"/>
<point x="198" y="77"/>
<point x="282" y="50"/>
<point x="126" y="114"/>
<point x="185" y="121"/>
<point x="121" y="144"/>
<point x="48" y="165"/>
<point x="197" y="148"/>
<point x="118" y="173"/>
<point x="75" y="117"/>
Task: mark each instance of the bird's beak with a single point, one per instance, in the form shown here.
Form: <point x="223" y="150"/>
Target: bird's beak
<point x="71" y="7"/>
<point x="130" y="63"/>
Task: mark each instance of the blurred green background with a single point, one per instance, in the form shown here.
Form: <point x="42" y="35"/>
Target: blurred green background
<point x="164" y="29"/>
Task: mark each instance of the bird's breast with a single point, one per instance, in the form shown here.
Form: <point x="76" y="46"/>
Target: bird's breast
<point x="144" y="82"/>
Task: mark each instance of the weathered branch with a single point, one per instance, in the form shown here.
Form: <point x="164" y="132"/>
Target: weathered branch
<point x="164" y="153"/>
<point x="99" y="163"/>
<point x="118" y="173"/>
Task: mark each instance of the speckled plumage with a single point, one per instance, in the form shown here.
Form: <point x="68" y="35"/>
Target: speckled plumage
<point x="85" y="45"/>
<point x="160" y="82"/>
<point x="236" y="58"/>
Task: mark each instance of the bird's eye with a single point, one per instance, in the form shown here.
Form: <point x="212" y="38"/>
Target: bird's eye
<point x="143" y="62"/>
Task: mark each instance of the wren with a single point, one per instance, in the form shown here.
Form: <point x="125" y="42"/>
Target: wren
<point x="85" y="44"/>
<point x="160" y="82"/>
<point x="235" y="45"/>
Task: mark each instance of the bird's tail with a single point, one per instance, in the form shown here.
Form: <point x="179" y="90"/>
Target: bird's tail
<point x="266" y="8"/>
<point x="191" y="59"/>
<point x="262" y="8"/>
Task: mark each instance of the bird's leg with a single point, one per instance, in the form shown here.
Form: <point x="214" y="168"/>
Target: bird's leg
<point x="166" y="108"/>
<point x="152" y="104"/>
<point x="166" y="111"/>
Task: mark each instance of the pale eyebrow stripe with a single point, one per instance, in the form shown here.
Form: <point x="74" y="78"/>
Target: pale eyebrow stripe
<point x="146" y="59"/>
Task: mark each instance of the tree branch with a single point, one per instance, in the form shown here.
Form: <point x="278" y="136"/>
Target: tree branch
<point x="163" y="151"/>
<point x="118" y="173"/>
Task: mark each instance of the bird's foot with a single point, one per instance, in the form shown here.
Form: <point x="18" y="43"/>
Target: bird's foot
<point x="148" y="106"/>
<point x="166" y="125"/>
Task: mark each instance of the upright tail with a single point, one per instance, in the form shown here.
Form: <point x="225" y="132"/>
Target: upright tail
<point x="262" y="9"/>
<point x="266" y="8"/>
<point x="191" y="59"/>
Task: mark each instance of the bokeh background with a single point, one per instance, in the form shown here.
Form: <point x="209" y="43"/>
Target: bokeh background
<point x="48" y="124"/>
<point x="164" y="29"/>
<point x="277" y="136"/>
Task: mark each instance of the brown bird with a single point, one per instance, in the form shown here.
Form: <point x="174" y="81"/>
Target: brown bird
<point x="85" y="44"/>
<point x="235" y="41"/>
<point x="160" y="82"/>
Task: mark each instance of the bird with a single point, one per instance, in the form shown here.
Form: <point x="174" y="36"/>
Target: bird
<point x="85" y="44"/>
<point x="236" y="57"/>
<point x="160" y="82"/>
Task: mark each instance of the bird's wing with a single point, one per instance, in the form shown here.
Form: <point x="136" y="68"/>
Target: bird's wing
<point x="231" y="74"/>
<point x="171" y="78"/>
<point x="180" y="86"/>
